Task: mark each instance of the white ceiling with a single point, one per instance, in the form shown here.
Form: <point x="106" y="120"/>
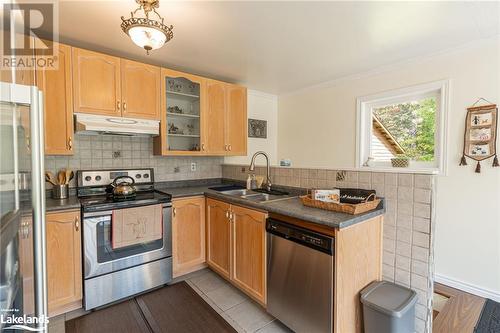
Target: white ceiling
<point x="278" y="47"/>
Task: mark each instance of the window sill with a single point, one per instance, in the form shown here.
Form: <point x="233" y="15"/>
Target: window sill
<point x="426" y="171"/>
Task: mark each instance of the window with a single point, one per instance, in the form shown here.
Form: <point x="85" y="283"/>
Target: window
<point x="408" y="123"/>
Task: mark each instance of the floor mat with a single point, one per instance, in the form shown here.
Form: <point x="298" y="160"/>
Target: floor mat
<point x="179" y="308"/>
<point x="122" y="317"/>
<point x="176" y="308"/>
<point x="489" y="321"/>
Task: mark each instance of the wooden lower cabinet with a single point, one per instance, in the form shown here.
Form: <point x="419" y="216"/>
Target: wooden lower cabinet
<point x="236" y="246"/>
<point x="249" y="251"/>
<point x="218" y="237"/>
<point x="188" y="235"/>
<point x="64" y="261"/>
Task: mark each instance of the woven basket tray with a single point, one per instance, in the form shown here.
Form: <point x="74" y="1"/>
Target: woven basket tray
<point x="352" y="209"/>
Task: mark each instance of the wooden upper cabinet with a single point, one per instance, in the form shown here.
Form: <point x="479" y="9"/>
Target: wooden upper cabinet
<point x="56" y="85"/>
<point x="249" y="251"/>
<point x="64" y="261"/>
<point x="140" y="85"/>
<point x="188" y="235"/>
<point x="181" y="115"/>
<point x="236" y="120"/>
<point x="219" y="237"/>
<point x="96" y="83"/>
<point x="215" y="118"/>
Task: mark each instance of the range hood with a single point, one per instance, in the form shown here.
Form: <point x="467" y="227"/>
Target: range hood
<point x="96" y="124"/>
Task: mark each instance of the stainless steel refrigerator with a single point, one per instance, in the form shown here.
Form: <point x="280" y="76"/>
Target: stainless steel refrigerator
<point x="23" y="286"/>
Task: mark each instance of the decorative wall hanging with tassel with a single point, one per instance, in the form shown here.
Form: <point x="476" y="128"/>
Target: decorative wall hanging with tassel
<point x="480" y="134"/>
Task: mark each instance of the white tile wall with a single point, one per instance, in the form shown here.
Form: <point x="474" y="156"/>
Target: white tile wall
<point x="407" y="252"/>
<point x="97" y="152"/>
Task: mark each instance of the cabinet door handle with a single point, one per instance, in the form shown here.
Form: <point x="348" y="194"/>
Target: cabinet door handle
<point x="231" y="216"/>
<point x="77" y="224"/>
<point x="70" y="143"/>
<point x="229" y="147"/>
<point x="124" y="106"/>
<point x="203" y="146"/>
<point x="118" y="105"/>
<point x="225" y="147"/>
<point x="227" y="214"/>
<point x="174" y="211"/>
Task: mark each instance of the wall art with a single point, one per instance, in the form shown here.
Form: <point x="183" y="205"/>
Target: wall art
<point x="480" y="134"/>
<point x="257" y="128"/>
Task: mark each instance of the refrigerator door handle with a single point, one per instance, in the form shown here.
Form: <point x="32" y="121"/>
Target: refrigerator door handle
<point x="38" y="203"/>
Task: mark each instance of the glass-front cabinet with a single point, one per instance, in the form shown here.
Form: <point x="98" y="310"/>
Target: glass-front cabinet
<point x="181" y="116"/>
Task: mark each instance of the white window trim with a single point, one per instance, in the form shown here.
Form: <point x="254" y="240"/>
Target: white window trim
<point x="364" y="127"/>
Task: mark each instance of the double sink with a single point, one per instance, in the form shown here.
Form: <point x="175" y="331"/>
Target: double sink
<point x="257" y="195"/>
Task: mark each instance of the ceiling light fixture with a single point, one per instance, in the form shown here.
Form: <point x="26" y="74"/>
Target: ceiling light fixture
<point x="145" y="32"/>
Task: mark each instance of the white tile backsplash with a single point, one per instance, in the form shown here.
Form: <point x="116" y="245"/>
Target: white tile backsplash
<point x="96" y="152"/>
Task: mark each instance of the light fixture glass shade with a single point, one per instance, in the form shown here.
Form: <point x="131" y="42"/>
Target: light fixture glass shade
<point x="145" y="32"/>
<point x="147" y="38"/>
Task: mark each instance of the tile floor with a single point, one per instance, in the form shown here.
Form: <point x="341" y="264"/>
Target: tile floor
<point x="236" y="308"/>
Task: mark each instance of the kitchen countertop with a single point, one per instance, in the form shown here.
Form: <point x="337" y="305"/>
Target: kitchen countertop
<point x="72" y="202"/>
<point x="52" y="205"/>
<point x="290" y="206"/>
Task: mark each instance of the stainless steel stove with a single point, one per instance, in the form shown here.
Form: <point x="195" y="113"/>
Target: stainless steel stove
<point x="114" y="274"/>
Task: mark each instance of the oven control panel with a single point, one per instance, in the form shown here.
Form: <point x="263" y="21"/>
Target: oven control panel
<point x="106" y="177"/>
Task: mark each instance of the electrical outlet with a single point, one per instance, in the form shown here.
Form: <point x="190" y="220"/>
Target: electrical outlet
<point x="117" y="154"/>
<point x="340" y="176"/>
<point x="243" y="169"/>
<point x="193" y="166"/>
<point x="177" y="169"/>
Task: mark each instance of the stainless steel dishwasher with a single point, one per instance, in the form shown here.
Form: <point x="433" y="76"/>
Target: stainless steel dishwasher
<point x="300" y="267"/>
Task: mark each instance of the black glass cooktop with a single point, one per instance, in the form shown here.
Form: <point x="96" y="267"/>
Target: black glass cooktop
<point x="108" y="202"/>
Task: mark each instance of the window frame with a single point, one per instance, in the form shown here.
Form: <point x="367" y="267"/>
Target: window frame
<point x="365" y="104"/>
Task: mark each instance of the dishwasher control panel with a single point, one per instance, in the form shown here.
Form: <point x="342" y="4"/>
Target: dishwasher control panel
<point x="300" y="235"/>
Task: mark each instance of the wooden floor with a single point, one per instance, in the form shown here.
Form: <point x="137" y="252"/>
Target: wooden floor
<point x="461" y="312"/>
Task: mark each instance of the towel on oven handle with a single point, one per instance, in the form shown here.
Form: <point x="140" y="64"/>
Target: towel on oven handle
<point x="132" y="226"/>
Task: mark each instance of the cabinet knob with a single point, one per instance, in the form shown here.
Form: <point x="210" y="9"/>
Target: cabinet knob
<point x="70" y="143"/>
<point x="77" y="224"/>
<point x="124" y="106"/>
<point x="118" y="105"/>
<point x="174" y="211"/>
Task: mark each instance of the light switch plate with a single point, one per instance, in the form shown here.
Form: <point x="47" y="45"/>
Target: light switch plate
<point x="193" y="166"/>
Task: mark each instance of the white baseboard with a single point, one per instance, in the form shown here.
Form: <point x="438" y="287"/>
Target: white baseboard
<point x="467" y="287"/>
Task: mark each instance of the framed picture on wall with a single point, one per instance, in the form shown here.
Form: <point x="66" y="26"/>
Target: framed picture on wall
<point x="257" y="128"/>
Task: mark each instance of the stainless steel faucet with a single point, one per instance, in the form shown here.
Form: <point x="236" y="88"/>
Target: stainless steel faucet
<point x="252" y="168"/>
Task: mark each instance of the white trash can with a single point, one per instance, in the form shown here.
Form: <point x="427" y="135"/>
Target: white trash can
<point x="388" y="308"/>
